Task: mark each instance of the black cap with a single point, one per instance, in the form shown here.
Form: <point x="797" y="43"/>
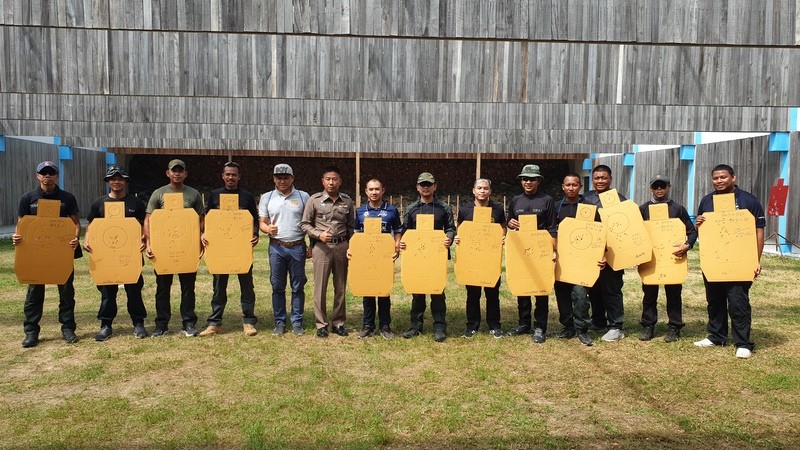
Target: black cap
<point x="659" y="178"/>
<point x="116" y="170"/>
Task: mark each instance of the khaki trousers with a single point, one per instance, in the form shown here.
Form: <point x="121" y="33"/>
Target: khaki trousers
<point x="329" y="258"/>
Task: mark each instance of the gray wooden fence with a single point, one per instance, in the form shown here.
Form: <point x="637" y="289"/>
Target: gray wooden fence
<point x="82" y="175"/>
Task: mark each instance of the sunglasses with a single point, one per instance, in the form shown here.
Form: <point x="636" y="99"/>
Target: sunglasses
<point x="425" y="184"/>
<point x="659" y="186"/>
<point x="528" y="179"/>
<point x="50" y="172"/>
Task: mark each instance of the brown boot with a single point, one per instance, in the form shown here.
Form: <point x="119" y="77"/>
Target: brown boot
<point x="249" y="329"/>
<point x="211" y="330"/>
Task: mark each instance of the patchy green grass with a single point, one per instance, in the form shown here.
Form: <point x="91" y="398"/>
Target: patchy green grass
<point x="231" y="391"/>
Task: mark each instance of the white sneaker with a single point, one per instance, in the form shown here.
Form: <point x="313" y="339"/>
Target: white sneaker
<point x="704" y="343"/>
<point x="743" y="353"/>
<point x="613" y="335"/>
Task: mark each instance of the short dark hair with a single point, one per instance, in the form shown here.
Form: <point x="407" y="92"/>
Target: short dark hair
<point x="602" y="168"/>
<point x="724" y="167"/>
<point x="335" y="169"/>
<point x="375" y="180"/>
<point x="573" y="174"/>
<point x="231" y="164"/>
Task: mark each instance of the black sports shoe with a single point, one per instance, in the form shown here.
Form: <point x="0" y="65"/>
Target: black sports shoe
<point x="648" y="332"/>
<point x="539" y="336"/>
<point x="672" y="334"/>
<point x="439" y="336"/>
<point x="522" y="329"/>
<point x="339" y="330"/>
<point x="410" y="333"/>
<point x="468" y="333"/>
<point x="104" y="333"/>
<point x="386" y="332"/>
<point x="139" y="331"/>
<point x="322" y="332"/>
<point x="189" y="331"/>
<point x="159" y="332"/>
<point x="366" y="332"/>
<point x="69" y="336"/>
<point x="566" y="333"/>
<point x="585" y="339"/>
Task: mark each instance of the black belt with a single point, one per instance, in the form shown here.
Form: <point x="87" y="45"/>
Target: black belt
<point x="338" y="240"/>
<point x="287" y="244"/>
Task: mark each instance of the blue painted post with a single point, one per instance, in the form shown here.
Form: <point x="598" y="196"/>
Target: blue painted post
<point x="2" y="143"/>
<point x="64" y="154"/>
<point x="794" y="119"/>
<point x="629" y="160"/>
<point x="688" y="154"/>
<point x="587" y="166"/>
<point x="780" y="142"/>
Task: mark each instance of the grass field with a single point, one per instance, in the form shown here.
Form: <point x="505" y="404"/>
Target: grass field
<point x="231" y="391"/>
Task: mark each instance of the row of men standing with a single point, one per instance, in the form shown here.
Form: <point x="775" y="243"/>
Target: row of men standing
<point x="329" y="219"/>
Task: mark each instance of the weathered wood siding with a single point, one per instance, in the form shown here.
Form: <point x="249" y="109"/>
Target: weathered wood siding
<point x="82" y="176"/>
<point x="793" y="202"/>
<point x="709" y="22"/>
<point x="757" y="169"/>
<point x="621" y="175"/>
<point x="133" y="63"/>
<point x="665" y="162"/>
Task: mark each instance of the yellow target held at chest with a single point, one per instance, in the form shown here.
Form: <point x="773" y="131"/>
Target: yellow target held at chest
<point x="480" y="253"/>
<point x="228" y="231"/>
<point x="175" y="237"/>
<point x="371" y="269"/>
<point x="423" y="263"/>
<point x="116" y="243"/>
<point x="44" y="255"/>
<point x="666" y="235"/>
<point x="728" y="245"/>
<point x="529" y="259"/>
<point x="627" y="238"/>
<point x="581" y="244"/>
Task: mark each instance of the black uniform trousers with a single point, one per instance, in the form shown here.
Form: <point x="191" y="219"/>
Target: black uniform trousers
<point x="34" y="306"/>
<point x="492" y="306"/>
<point x="163" y="308"/>
<point x="724" y="298"/>
<point x="108" y="302"/>
<point x="606" y="298"/>
<point x="540" y="311"/>
<point x="219" y="298"/>
<point x="573" y="306"/>
<point x="674" y="305"/>
<point x="438" y="311"/>
<point x="384" y="315"/>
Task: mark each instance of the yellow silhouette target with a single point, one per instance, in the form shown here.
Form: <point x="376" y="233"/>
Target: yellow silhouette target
<point x="627" y="238"/>
<point x="44" y="255"/>
<point x="371" y="270"/>
<point x="728" y="245"/>
<point x="666" y="235"/>
<point x="581" y="243"/>
<point x="529" y="259"/>
<point x="229" y="231"/>
<point x="175" y="237"/>
<point x="116" y="242"/>
<point x="480" y="253"/>
<point x="423" y="266"/>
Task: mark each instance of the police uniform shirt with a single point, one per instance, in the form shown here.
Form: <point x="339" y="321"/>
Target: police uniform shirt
<point x="322" y="214"/>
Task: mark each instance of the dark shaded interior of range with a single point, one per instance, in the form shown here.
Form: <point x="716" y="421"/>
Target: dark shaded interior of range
<point x="454" y="177"/>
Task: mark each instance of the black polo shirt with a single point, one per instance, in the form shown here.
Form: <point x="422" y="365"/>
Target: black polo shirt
<point x="744" y="200"/>
<point x="540" y="204"/>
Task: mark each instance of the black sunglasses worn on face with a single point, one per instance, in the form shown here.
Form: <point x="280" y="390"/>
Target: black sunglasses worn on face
<point x="426" y="184"/>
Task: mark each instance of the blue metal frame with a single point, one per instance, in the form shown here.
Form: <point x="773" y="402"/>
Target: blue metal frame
<point x="688" y="154"/>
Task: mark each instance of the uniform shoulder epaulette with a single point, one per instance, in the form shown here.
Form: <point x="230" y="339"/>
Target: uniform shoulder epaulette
<point x="317" y="195"/>
<point x="343" y="195"/>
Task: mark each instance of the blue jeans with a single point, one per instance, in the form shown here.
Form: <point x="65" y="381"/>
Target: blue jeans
<point x="290" y="261"/>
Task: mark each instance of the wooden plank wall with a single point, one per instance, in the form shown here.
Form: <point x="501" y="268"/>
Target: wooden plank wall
<point x="736" y="22"/>
<point x="792" y="203"/>
<point x="18" y="172"/>
<point x="79" y="61"/>
<point x="664" y="162"/>
<point x="757" y="169"/>
<point x="82" y="176"/>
